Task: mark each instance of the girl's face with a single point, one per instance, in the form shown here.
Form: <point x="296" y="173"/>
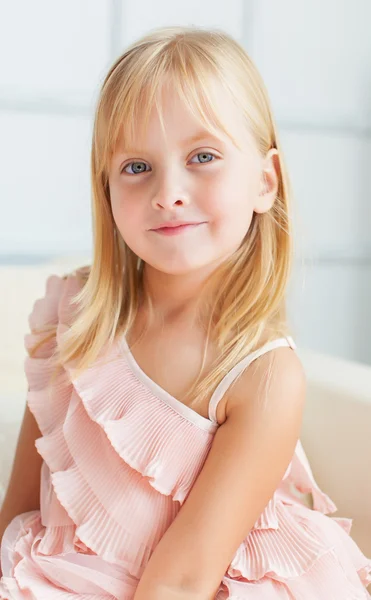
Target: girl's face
<point x="187" y="176"/>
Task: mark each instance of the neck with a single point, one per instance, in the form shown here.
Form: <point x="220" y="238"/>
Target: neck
<point x="176" y="297"/>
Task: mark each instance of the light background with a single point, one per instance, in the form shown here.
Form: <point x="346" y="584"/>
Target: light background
<point x="315" y="58"/>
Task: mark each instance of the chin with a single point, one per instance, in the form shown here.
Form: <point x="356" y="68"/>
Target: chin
<point x="176" y="266"/>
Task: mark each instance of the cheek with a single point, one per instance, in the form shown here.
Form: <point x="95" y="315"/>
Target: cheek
<point x="230" y="202"/>
<point x="125" y="213"/>
<point x="232" y="214"/>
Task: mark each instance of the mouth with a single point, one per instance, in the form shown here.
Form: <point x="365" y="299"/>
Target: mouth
<point x="176" y="228"/>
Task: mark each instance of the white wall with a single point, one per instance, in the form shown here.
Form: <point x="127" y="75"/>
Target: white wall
<point x="315" y="58"/>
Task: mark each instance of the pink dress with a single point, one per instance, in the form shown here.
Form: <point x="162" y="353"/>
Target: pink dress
<point x="120" y="456"/>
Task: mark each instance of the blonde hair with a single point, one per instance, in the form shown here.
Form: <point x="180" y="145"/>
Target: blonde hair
<point x="250" y="301"/>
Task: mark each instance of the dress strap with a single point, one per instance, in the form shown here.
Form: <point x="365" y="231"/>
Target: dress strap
<point x="237" y="370"/>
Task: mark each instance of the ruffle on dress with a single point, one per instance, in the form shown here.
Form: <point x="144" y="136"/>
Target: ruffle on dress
<point x="119" y="462"/>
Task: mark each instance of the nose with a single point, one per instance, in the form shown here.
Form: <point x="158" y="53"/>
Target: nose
<point x="170" y="192"/>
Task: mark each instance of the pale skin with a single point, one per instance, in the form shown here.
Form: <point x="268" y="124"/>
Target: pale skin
<point x="252" y="448"/>
<point x="241" y="471"/>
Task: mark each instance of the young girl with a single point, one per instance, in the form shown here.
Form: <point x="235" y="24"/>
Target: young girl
<point x="165" y="396"/>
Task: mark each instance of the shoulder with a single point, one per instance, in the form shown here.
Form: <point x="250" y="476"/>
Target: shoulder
<point x="47" y="307"/>
<point x="275" y="380"/>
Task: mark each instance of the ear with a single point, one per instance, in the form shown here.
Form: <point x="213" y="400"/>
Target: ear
<point x="270" y="176"/>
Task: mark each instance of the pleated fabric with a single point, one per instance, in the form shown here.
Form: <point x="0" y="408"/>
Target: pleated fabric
<point x="120" y="456"/>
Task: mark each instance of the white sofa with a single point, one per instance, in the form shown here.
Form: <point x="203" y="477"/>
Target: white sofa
<point x="336" y="432"/>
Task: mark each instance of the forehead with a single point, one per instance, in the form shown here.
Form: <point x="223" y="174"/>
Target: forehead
<point x="173" y="114"/>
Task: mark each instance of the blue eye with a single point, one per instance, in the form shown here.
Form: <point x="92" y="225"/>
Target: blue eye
<point x="135" y="167"/>
<point x="139" y="167"/>
<point x="204" y="156"/>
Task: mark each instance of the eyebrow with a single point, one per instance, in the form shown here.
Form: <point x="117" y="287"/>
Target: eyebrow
<point x="200" y="135"/>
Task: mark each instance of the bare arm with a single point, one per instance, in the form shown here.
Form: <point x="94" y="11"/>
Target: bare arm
<point x="247" y="460"/>
<point x="23" y="493"/>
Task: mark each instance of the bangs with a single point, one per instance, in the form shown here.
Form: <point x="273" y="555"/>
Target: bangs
<point x="193" y="77"/>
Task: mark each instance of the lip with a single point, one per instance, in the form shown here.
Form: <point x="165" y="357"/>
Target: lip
<point x="176" y="227"/>
<point x="172" y="224"/>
